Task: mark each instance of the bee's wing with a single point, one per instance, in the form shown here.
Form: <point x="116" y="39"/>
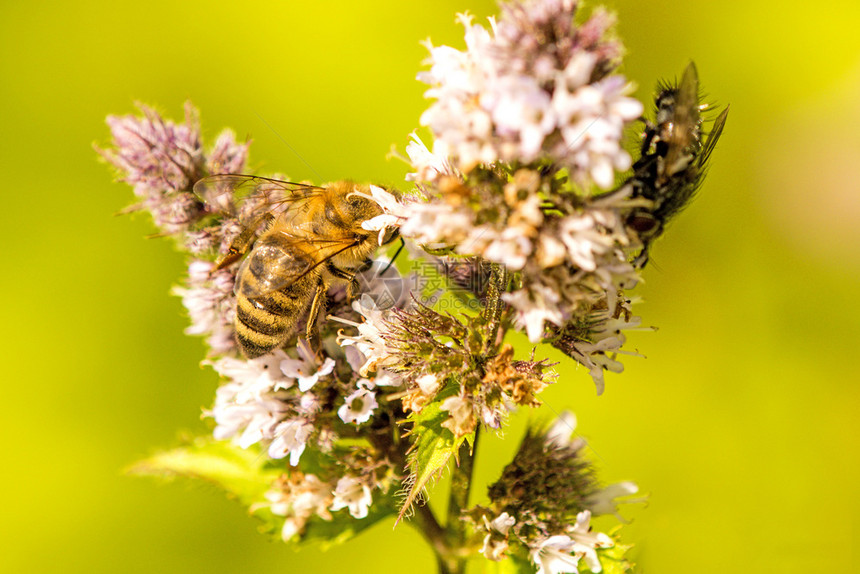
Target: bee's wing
<point x="685" y="116"/>
<point x="223" y="193"/>
<point x="272" y="267"/>
<point x="716" y="132"/>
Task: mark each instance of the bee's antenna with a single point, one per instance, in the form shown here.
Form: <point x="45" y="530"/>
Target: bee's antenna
<point x="396" y="253"/>
<point x="292" y="149"/>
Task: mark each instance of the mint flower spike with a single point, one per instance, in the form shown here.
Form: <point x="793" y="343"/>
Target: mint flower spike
<point x="544" y="501"/>
<point x="527" y="121"/>
<point x="161" y="160"/>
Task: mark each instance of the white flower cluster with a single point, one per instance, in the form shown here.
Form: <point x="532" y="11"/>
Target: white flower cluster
<point x="273" y="400"/>
<point x="298" y="501"/>
<point x="537" y="91"/>
<point x="298" y="497"/>
<point x="270" y="400"/>
<point x="515" y="96"/>
<point x="368" y="347"/>
<point x="573" y="259"/>
<point x="562" y="552"/>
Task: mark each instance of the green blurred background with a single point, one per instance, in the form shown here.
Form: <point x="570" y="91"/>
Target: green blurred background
<point x="742" y="424"/>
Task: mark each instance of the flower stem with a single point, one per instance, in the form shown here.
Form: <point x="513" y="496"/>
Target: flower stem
<point x="458" y="500"/>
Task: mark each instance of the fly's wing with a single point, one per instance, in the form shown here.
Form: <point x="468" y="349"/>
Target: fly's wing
<point x="716" y="132"/>
<point x="685" y="122"/>
<point x="281" y="259"/>
<point x="249" y="196"/>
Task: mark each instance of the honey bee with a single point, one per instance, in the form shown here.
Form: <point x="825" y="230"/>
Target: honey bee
<point x="673" y="159"/>
<point x="313" y="239"/>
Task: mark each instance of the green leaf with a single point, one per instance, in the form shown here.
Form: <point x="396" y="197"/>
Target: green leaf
<point x="241" y="473"/>
<point x="510" y="565"/>
<point x="613" y="560"/>
<point x="344" y="527"/>
<point x="246" y="475"/>
<point x="432" y="446"/>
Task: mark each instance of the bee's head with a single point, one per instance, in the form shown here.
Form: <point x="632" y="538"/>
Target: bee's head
<point x="361" y="205"/>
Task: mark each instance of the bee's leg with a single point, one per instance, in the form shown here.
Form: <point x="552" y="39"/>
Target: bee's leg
<point x="242" y="242"/>
<point x="352" y="286"/>
<point x="311" y="330"/>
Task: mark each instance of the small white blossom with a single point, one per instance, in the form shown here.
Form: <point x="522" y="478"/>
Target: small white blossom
<point x="392" y="216"/>
<point x="586" y="541"/>
<point x="560" y="434"/>
<point x="553" y="555"/>
<point x="495" y="542"/>
<point x="438" y="224"/>
<point x="297" y="502"/>
<point x="535" y="306"/>
<point x="305" y="369"/>
<point x="511" y="248"/>
<point x="369" y="341"/>
<point x="461" y="420"/>
<point x="428" y="166"/>
<point x="562" y="552"/>
<point x="353" y="493"/>
<point x="386" y="378"/>
<point x="358" y="407"/>
<point x="428" y="384"/>
<point x="604" y="500"/>
<point x="585" y="243"/>
<point x="290" y="438"/>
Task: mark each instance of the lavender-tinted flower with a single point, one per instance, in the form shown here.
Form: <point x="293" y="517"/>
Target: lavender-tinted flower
<point x="162" y="160"/>
<point x="227" y="156"/>
<point x="157" y="155"/>
<point x="209" y="300"/>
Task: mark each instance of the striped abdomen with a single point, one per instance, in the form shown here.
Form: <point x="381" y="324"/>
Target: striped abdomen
<point x="274" y="291"/>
